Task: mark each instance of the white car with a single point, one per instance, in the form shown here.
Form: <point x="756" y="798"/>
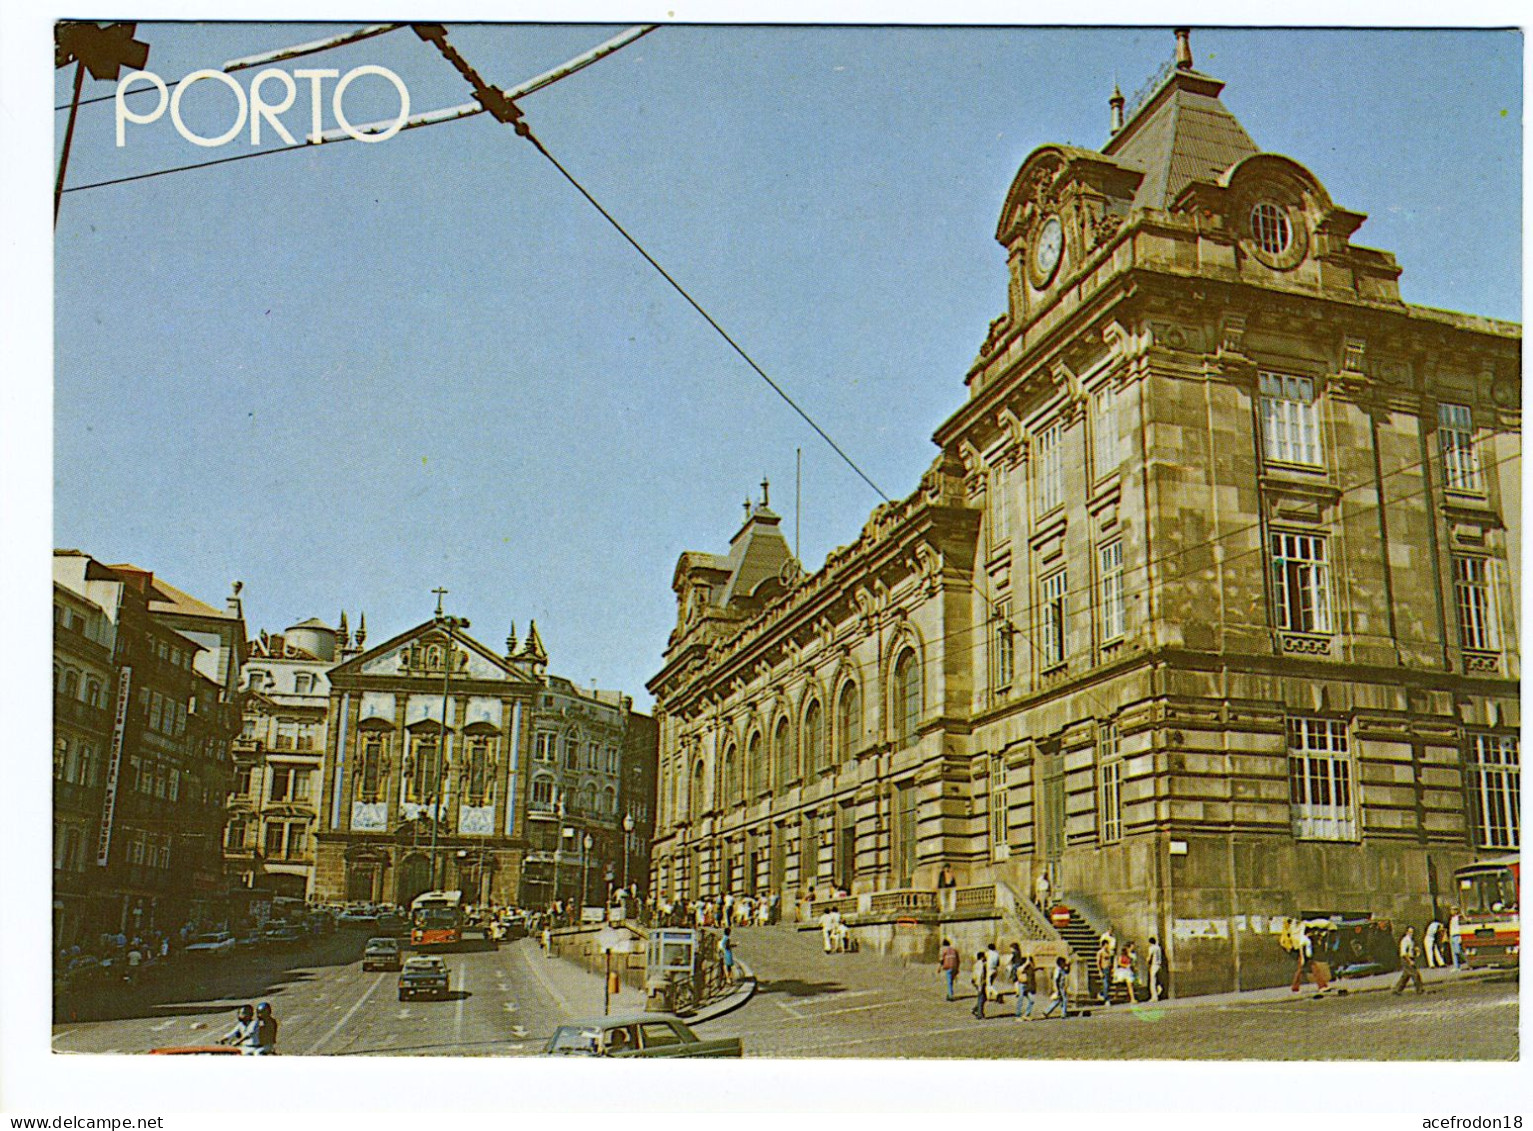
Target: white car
<point x="217" y="942"/>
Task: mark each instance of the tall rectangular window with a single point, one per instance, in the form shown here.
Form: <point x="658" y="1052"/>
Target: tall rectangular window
<point x="1320" y="780"/>
<point x="1290" y="419"/>
<point x="1110" y="778"/>
<point x="1471" y="592"/>
<point x="997" y="512"/>
<point x="1455" y="438"/>
<point x="1001" y="647"/>
<point x="1110" y="578"/>
<point x="1495" y="775"/>
<point x="1050" y="473"/>
<point x="998" y="807"/>
<point x="1106" y="451"/>
<point x="1054" y="624"/>
<point x="1301" y="582"/>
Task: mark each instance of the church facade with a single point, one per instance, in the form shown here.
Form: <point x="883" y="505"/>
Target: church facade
<point x="1206" y="611"/>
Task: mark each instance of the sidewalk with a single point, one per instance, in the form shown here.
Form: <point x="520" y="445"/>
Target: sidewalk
<point x="579" y="992"/>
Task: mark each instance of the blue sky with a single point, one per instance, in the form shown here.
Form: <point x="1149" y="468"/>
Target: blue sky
<point x="350" y="374"/>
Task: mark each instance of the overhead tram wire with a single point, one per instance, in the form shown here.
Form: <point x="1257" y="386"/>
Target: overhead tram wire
<point x="501" y="105"/>
<point x="429" y="118"/>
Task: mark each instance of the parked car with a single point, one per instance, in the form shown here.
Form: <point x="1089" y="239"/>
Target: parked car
<point x="247" y="940"/>
<point x="280" y="933"/>
<point x="382" y="953"/>
<point x="215" y="942"/>
<point x="423" y="974"/>
<point x="394" y="925"/>
<point x="640" y="1034"/>
<point x="356" y="918"/>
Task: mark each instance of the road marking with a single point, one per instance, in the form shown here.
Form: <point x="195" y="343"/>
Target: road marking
<point x="509" y="1006"/>
<point x="518" y="1032"/>
<point x="853" y="1009"/>
<point x="162" y="1026"/>
<point x="563" y="1001"/>
<point x="457" y="1020"/>
<point x="403" y="1015"/>
<point x="336" y="1028"/>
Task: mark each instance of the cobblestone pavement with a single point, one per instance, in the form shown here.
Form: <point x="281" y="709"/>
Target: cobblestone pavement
<point x="809" y="1004"/>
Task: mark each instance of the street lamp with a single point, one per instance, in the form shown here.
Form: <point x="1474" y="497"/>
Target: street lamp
<point x="559" y="843"/>
<point x="627" y="833"/>
<point x="585" y="865"/>
<point x="448" y="623"/>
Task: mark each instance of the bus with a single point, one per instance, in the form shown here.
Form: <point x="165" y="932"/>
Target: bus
<point x="1486" y="895"/>
<point x="436" y="919"/>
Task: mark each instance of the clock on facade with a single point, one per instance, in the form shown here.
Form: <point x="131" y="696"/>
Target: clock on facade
<point x="1048" y="246"/>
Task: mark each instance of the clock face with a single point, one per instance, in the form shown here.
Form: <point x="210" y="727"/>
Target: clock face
<point x="1047" y="248"/>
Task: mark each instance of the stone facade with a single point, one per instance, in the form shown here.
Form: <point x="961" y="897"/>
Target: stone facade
<point x="1206" y="611"/>
<point x="279" y="759"/>
<point x="523" y="750"/>
<point x="142" y="759"/>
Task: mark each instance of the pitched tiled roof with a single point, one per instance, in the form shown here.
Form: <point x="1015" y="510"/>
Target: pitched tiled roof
<point x="1181" y="134"/>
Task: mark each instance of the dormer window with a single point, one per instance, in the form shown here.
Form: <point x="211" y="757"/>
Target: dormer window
<point x="1270" y="228"/>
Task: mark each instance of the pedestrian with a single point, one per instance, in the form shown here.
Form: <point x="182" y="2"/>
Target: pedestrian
<point x="1433" y="954"/>
<point x="1455" y="941"/>
<point x="772" y="906"/>
<point x="946" y="878"/>
<point x="243" y="1035"/>
<point x="1408" y="971"/>
<point x="992" y="973"/>
<point x="980" y="977"/>
<point x="728" y="950"/>
<point x="948" y="962"/>
<point x="828" y="930"/>
<point x="1041" y="891"/>
<point x="1026" y="978"/>
<point x="135" y="960"/>
<point x="1061" y="997"/>
<point x="1157" y="970"/>
<point x="266" y="1030"/>
<point x="1104" y="962"/>
<point x="1128" y="971"/>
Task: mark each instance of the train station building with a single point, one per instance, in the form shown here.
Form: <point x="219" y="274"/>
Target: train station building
<point x="1206" y="611"/>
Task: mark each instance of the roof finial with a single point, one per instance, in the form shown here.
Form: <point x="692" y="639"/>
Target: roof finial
<point x="511" y="641"/>
<point x="747" y="508"/>
<point x="1184" y="49"/>
<point x="1116" y="102"/>
<point x="766" y="492"/>
<point x="361" y="629"/>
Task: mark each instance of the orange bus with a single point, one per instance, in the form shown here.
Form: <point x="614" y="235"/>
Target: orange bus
<point x="436" y="920"/>
<point x="1489" y="929"/>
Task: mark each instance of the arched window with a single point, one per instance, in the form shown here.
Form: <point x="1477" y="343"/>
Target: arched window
<point x="782" y="754"/>
<point x="848" y="722"/>
<point x="542" y="793"/>
<point x="697" y="790"/>
<point x="588" y="798"/>
<point x="760" y="780"/>
<point x="71" y="683"/>
<point x="906" y="697"/>
<point x="814" y="739"/>
<point x="93" y="693"/>
<point x="609" y="800"/>
<point x="731" y="774"/>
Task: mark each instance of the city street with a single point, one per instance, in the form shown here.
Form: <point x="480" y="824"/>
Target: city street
<point x="501" y="1003"/>
<point x="505" y="1002"/>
